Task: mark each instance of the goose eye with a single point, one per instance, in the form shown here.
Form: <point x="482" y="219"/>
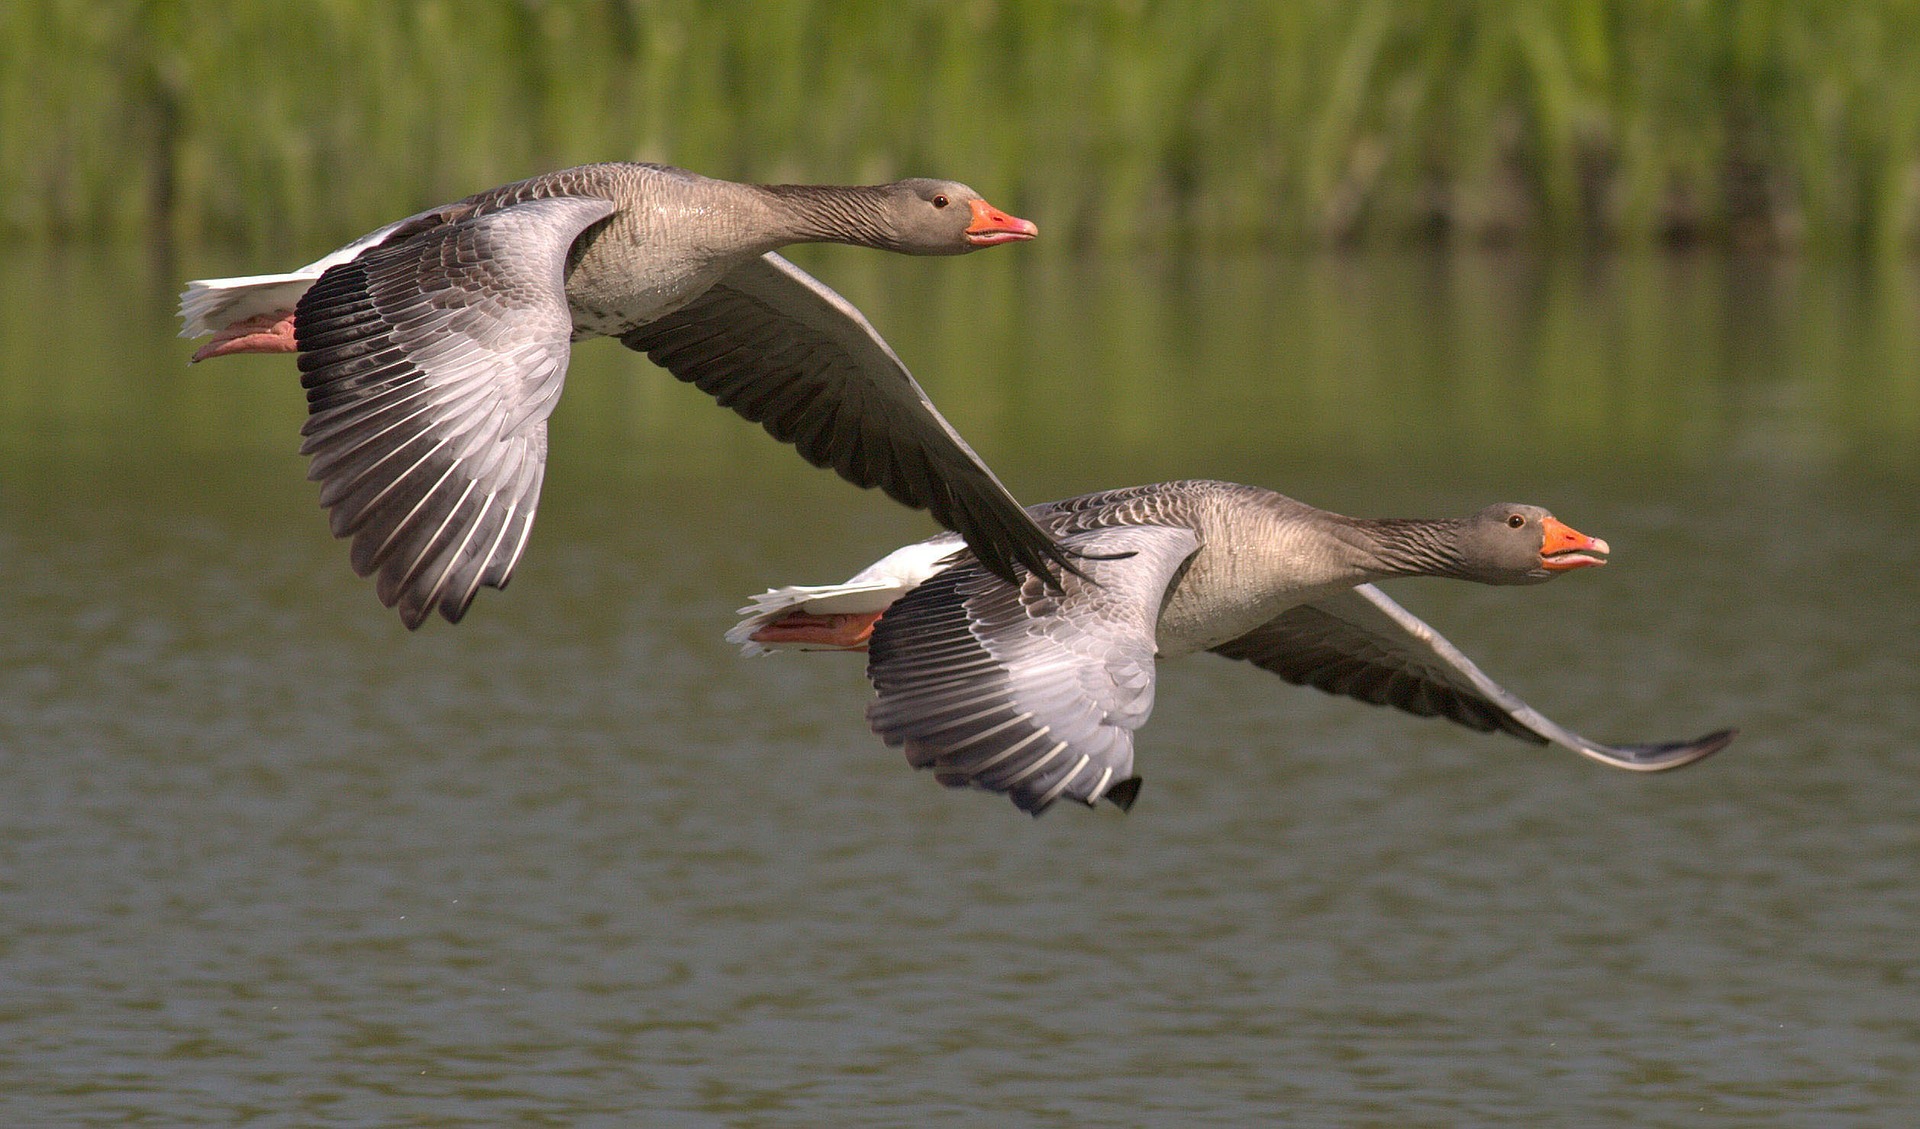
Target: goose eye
<point x="939" y="201"/>
<point x="1515" y="521"/>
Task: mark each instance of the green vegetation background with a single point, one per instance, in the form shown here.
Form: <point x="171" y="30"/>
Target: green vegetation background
<point x="293" y="126"/>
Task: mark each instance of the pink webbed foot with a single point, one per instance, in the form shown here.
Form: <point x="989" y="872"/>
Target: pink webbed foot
<point x="262" y="333"/>
<point x="842" y="631"/>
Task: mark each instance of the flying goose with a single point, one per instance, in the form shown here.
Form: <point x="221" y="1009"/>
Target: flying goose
<point x="433" y="351"/>
<point x="1036" y="694"/>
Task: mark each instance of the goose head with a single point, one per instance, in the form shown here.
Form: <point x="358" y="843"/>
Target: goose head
<point x="945" y="217"/>
<point x="1512" y="543"/>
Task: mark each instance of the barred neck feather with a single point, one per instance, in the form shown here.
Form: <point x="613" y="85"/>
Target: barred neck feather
<point x="826" y="213"/>
<point x="1417" y="546"/>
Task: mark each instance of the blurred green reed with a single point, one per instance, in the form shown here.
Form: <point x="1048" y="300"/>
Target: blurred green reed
<point x="1745" y="122"/>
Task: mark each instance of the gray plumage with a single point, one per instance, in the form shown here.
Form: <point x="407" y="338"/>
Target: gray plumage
<point x="431" y="365"/>
<point x="821" y="396"/>
<point x="434" y="350"/>
<point x="1036" y="694"/>
<point x="1016" y="690"/>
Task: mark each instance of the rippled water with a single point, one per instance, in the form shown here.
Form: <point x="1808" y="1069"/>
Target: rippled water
<point x="266" y="858"/>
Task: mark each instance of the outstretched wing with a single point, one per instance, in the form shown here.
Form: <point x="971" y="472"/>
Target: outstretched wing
<point x="1363" y="645"/>
<point x="431" y="365"/>
<point x="776" y="345"/>
<point x="1017" y="690"/>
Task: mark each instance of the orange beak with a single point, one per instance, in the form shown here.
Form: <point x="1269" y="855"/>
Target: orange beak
<point x="991" y="225"/>
<point x="1564" y="547"/>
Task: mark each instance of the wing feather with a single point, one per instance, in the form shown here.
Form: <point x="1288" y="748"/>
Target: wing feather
<point x="1363" y="645"/>
<point x="1016" y="689"/>
<point x="777" y="346"/>
<point x="431" y="364"/>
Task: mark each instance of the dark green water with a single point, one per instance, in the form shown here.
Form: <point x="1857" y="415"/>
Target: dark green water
<point x="266" y="858"/>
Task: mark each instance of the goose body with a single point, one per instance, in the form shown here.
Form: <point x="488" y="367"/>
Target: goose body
<point x="433" y="351"/>
<point x="1036" y="694"/>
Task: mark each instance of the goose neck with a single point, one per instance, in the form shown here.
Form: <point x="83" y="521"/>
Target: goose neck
<point x="825" y="213"/>
<point x="1412" y="547"/>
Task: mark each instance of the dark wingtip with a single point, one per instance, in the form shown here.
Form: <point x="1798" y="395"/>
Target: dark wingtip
<point x="1045" y="562"/>
<point x="1125" y="792"/>
<point x="1059" y="559"/>
<point x="1712" y="743"/>
<point x="1660" y="758"/>
<point x="412" y="616"/>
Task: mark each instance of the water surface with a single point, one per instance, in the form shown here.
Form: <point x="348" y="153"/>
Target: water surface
<point x="267" y="858"/>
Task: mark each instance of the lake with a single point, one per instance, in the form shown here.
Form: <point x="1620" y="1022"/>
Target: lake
<point x="267" y="858"/>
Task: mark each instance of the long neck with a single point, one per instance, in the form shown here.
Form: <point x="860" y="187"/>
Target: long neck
<point x="1414" y="547"/>
<point x="826" y="213"/>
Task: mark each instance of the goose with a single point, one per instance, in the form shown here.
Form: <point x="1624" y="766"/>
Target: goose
<point x="1012" y="688"/>
<point x="434" y="349"/>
